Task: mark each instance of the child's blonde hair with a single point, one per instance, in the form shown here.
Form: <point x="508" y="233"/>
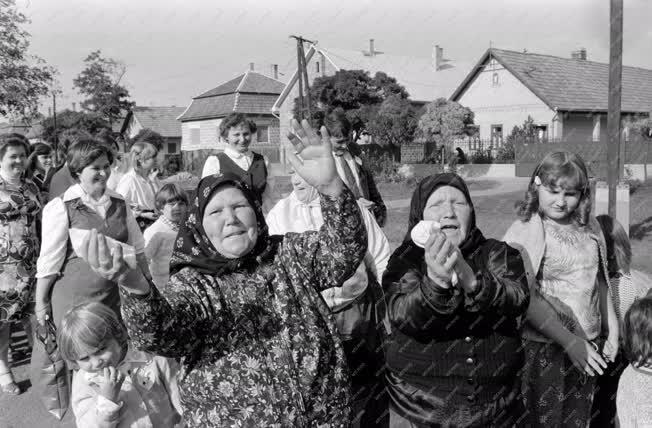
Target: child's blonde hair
<point x="619" y="249"/>
<point x="566" y="170"/>
<point x="86" y="328"/>
<point x="139" y="152"/>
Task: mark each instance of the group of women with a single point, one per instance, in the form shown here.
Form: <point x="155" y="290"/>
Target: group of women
<point x="40" y="271"/>
<point x="304" y="319"/>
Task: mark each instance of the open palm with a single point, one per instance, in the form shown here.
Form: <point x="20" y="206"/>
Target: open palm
<point x="312" y="156"/>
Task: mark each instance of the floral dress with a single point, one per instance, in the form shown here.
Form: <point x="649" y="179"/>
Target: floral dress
<point x="19" y="247"/>
<point x="259" y="346"/>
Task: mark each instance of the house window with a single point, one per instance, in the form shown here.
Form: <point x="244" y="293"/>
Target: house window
<point x="262" y="135"/>
<point x="496" y="134"/>
<point x="495" y="81"/>
<point x="194" y="135"/>
<point x="541" y="132"/>
<point x="172" y="147"/>
<point x="317" y="66"/>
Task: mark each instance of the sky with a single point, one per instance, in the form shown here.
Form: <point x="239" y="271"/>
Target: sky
<point x="174" y="50"/>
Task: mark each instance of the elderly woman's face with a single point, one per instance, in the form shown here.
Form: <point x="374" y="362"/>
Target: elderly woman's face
<point x="230" y="223"/>
<point x="304" y="191"/>
<point x="448" y="206"/>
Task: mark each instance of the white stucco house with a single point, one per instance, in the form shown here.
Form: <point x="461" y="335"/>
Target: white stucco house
<point x="566" y="97"/>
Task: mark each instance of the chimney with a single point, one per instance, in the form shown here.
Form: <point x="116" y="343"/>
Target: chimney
<point x="579" y="54"/>
<point x="74" y="106"/>
<point x="438" y="57"/>
<point x="274" y="69"/>
<point x="251" y="66"/>
<point x="372" y="52"/>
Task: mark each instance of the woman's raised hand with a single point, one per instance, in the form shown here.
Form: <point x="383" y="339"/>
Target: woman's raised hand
<point x="312" y="158"/>
<point x="112" y="267"/>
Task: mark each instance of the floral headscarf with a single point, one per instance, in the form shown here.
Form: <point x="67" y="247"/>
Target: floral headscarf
<point x="194" y="249"/>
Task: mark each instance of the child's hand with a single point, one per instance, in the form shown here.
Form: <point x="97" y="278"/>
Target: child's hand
<point x="109" y="383"/>
<point x="585" y="356"/>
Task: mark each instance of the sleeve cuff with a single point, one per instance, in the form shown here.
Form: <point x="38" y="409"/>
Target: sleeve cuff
<point x="106" y="406"/>
<point x="443" y="300"/>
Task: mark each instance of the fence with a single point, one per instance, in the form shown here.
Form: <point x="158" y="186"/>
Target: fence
<point x="528" y="154"/>
<point x="470" y="146"/>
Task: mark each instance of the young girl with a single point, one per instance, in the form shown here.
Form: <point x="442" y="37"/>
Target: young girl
<point x="627" y="285"/>
<point x="40" y="168"/>
<point x="635" y="386"/>
<point x="172" y="203"/>
<point x="114" y="385"/>
<point x="571" y="309"/>
<point x="137" y="185"/>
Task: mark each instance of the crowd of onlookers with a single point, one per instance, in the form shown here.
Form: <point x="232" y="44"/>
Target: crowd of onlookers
<point x="242" y="308"/>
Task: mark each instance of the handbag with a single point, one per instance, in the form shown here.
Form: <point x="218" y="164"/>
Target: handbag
<point x="53" y="380"/>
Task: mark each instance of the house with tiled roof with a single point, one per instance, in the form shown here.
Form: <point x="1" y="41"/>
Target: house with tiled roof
<point x="251" y="93"/>
<point x="566" y="97"/>
<point x="162" y="120"/>
<point x="425" y="77"/>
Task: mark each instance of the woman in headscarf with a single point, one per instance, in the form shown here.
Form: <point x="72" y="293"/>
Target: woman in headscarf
<point x="243" y="311"/>
<point x="455" y="300"/>
<point x="357" y="304"/>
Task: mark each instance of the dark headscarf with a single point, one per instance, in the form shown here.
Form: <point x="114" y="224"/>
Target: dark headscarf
<point x="427" y="187"/>
<point x="194" y="249"/>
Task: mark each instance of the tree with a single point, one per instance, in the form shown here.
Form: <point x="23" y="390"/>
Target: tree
<point x="442" y="121"/>
<point x="69" y="120"/>
<point x="395" y="121"/>
<point x="24" y="78"/>
<point x="100" y="83"/>
<point x="526" y="133"/>
<point x="354" y="91"/>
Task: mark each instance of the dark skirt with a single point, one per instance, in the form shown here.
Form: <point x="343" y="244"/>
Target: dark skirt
<point x="555" y="392"/>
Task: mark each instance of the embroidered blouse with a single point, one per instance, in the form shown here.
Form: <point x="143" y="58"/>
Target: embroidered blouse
<point x="567" y="278"/>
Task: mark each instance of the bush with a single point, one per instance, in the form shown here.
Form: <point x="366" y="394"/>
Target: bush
<point x="384" y="169"/>
<point x="505" y="153"/>
<point x="482" y="157"/>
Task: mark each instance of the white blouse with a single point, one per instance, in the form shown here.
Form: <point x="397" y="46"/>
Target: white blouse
<point x="55" y="235"/>
<point x="138" y="190"/>
<point x="243" y="160"/>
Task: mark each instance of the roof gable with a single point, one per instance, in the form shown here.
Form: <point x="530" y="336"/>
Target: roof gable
<point x="162" y="120"/>
<point x="249" y="82"/>
<point x="568" y="84"/>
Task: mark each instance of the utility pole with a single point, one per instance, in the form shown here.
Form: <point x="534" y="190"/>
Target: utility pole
<point x="614" y="153"/>
<point x="54" y="119"/>
<point x="302" y="74"/>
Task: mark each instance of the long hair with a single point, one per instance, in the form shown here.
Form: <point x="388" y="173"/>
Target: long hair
<point x="86" y="328"/>
<point x="563" y="169"/>
<point x="619" y="249"/>
<point x="638" y="332"/>
<point x="38" y="149"/>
